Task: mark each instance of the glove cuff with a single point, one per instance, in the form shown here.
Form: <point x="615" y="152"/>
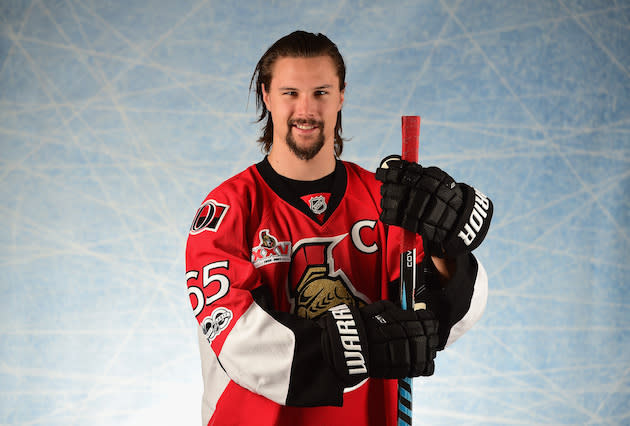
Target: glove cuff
<point x="344" y="343"/>
<point x="473" y="224"/>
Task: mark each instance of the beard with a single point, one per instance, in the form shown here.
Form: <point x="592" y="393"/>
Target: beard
<point x="312" y="149"/>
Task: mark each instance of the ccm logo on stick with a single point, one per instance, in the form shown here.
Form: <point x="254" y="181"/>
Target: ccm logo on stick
<point x="349" y="339"/>
<point x="477" y="217"/>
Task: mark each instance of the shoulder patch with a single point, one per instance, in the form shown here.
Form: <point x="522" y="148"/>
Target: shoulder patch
<point x="208" y="217"/>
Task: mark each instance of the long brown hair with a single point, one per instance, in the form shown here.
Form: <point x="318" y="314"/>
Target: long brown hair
<point x="298" y="44"/>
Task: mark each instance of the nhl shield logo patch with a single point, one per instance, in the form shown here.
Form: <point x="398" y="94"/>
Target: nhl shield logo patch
<point x="317" y="204"/>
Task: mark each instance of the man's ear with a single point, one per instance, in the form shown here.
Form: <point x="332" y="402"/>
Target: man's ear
<point x="343" y="93"/>
<point x="265" y="96"/>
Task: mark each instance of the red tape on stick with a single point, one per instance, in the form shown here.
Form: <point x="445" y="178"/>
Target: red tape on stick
<point x="410" y="143"/>
<point x="410" y="137"/>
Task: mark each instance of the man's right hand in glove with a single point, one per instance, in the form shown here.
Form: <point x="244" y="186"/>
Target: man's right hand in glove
<point x="379" y="340"/>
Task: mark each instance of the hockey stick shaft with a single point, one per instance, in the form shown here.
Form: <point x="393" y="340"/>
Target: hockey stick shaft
<point x="410" y="142"/>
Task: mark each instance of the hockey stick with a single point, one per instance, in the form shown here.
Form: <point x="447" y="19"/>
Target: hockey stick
<point x="410" y="140"/>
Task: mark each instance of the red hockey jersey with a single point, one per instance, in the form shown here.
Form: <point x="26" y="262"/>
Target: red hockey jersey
<point x="263" y="263"/>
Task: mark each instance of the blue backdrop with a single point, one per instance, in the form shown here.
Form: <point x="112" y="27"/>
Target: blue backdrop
<point x="117" y="117"/>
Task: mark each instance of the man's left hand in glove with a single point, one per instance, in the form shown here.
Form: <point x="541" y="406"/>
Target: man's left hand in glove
<point x="453" y="218"/>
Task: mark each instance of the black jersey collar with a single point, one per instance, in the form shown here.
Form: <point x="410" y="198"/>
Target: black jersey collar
<point x="286" y="188"/>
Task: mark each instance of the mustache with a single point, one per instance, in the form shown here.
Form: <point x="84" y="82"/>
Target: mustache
<point x="305" y="121"/>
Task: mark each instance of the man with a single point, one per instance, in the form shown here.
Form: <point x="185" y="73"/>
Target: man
<point x="292" y="263"/>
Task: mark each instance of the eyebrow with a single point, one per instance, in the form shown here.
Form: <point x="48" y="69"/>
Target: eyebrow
<point x="324" y="86"/>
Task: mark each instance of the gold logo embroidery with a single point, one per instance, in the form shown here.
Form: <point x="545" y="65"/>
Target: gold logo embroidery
<point x="317" y="292"/>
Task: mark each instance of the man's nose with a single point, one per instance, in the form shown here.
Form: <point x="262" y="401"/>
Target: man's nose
<point x="305" y="105"/>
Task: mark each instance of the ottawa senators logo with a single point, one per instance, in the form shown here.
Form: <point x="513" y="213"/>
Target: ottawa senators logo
<point x="267" y="240"/>
<point x="208" y="217"/>
<point x="320" y="287"/>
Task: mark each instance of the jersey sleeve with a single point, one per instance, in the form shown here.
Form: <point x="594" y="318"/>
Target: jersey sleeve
<point x="460" y="303"/>
<point x="270" y="353"/>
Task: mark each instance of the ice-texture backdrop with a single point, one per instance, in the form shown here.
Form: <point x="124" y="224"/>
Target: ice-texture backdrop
<point x="117" y="117"/>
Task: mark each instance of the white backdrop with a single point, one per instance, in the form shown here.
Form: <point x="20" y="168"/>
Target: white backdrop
<point x="117" y="117"/>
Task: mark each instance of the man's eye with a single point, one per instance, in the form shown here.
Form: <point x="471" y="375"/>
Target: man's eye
<point x="320" y="92"/>
<point x="290" y="93"/>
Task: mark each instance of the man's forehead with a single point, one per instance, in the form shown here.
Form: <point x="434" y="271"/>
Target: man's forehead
<point x="318" y="71"/>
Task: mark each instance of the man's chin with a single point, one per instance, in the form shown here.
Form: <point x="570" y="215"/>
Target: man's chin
<point x="305" y="149"/>
<point x="305" y="154"/>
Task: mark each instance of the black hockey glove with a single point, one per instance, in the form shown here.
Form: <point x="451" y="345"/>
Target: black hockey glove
<point x="453" y="218"/>
<point x="379" y="340"/>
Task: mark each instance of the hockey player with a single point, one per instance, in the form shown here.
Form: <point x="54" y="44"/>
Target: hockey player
<point x="292" y="264"/>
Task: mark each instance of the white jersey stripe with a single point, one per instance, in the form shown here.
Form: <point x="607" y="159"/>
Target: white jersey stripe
<point x="215" y="380"/>
<point x="264" y="369"/>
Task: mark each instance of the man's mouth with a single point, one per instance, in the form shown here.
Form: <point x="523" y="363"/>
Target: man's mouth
<point x="305" y="125"/>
